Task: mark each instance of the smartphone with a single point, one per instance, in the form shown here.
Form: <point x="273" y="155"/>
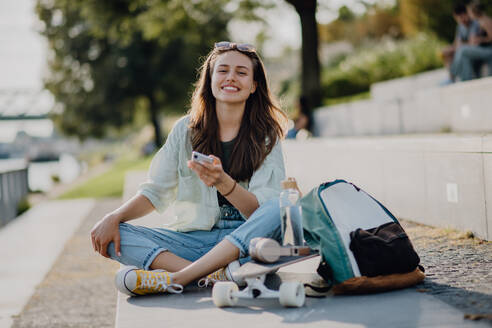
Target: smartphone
<point x="200" y="158"/>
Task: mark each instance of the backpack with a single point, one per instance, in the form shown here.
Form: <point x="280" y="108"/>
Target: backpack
<point x="357" y="237"/>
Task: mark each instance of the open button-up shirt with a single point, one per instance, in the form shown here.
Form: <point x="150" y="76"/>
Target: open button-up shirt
<point x="188" y="203"/>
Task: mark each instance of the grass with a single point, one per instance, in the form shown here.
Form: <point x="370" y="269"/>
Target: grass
<point x="110" y="183"/>
<point x="380" y="61"/>
<point x="23" y="206"/>
<point x="346" y="99"/>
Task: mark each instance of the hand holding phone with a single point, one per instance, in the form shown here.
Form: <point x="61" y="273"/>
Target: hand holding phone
<point x="201" y="158"/>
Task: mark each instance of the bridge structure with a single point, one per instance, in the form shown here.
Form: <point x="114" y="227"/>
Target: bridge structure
<point x="25" y="104"/>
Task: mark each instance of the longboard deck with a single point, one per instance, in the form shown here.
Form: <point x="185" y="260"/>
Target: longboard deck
<point x="254" y="268"/>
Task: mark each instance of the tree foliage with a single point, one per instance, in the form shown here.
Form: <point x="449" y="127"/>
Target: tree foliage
<point x="112" y="60"/>
<point x="385" y="60"/>
<point x="435" y="16"/>
<point x="407" y="18"/>
<point x="376" y="22"/>
<point x="428" y="15"/>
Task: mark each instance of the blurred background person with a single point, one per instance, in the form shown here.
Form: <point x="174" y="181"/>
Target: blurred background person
<point x="465" y="30"/>
<point x="302" y="120"/>
<point x="476" y="11"/>
<point x="479" y="49"/>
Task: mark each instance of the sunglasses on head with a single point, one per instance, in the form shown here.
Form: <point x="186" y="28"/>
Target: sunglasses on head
<point x="226" y="45"/>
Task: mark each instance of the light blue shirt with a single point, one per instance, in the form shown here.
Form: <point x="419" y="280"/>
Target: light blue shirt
<point x="464" y="32"/>
<point x="188" y="203"/>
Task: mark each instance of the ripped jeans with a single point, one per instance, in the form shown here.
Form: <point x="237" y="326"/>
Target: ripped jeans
<point x="141" y="245"/>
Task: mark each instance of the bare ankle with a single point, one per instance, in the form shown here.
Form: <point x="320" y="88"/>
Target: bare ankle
<point x="177" y="278"/>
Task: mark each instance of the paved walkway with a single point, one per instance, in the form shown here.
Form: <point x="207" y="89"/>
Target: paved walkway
<point x="29" y="245"/>
<point x="78" y="291"/>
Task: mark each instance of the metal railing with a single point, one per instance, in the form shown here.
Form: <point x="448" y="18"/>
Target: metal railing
<point x="13" y="188"/>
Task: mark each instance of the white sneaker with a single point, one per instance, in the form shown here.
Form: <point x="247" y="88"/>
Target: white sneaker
<point x="223" y="274"/>
<point x="133" y="281"/>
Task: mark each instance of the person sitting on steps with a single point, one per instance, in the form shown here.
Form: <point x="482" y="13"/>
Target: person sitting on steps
<point x="303" y="119"/>
<point x="479" y="49"/>
<point x="466" y="28"/>
<point x="215" y="209"/>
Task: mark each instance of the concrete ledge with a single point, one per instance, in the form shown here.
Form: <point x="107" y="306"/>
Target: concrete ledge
<point x="438" y="180"/>
<point x="132" y="180"/>
<point x="30" y="245"/>
<point x="442" y="180"/>
<point x="460" y="107"/>
<point x="407" y="86"/>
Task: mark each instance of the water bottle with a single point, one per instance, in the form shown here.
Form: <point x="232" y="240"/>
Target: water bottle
<point x="291" y="214"/>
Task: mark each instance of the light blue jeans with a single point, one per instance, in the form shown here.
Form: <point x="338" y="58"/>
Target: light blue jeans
<point x="141" y="245"/>
<point x="466" y="59"/>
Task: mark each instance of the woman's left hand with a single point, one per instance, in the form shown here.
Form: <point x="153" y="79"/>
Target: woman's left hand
<point x="212" y="174"/>
<point x="474" y="40"/>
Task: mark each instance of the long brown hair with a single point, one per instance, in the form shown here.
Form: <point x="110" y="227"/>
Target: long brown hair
<point x="476" y="7"/>
<point x="262" y="124"/>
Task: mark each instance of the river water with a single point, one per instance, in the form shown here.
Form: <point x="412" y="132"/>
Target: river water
<point x="41" y="175"/>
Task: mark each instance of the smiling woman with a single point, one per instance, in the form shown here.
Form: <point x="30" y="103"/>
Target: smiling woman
<point x="232" y="78"/>
<point x="218" y="207"/>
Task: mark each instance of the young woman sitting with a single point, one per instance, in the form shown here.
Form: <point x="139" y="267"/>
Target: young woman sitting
<point x="214" y="209"/>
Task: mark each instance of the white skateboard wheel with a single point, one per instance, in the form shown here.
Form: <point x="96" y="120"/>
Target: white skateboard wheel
<point x="222" y="293"/>
<point x="292" y="294"/>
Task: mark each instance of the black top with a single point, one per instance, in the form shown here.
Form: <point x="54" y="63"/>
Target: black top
<point x="483" y="33"/>
<point x="227" y="148"/>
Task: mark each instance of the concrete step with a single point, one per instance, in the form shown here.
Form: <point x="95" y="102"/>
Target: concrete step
<point x="439" y="180"/>
<point x="459" y="107"/>
<point x="406" y="86"/>
<point x="29" y="245"/>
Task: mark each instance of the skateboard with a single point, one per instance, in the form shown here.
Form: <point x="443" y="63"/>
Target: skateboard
<point x="290" y="293"/>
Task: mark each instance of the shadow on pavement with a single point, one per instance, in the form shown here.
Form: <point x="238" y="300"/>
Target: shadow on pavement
<point x="404" y="308"/>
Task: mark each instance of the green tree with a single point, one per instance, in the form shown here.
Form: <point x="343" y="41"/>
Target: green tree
<point x="345" y="14"/>
<point x="376" y="22"/>
<point x="112" y="60"/>
<point x="428" y="15"/>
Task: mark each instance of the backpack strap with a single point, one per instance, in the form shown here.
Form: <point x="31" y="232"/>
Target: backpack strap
<point x="321" y="290"/>
<point x="318" y="288"/>
<point x="325" y="271"/>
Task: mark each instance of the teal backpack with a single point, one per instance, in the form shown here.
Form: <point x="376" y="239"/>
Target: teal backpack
<point x="354" y="233"/>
